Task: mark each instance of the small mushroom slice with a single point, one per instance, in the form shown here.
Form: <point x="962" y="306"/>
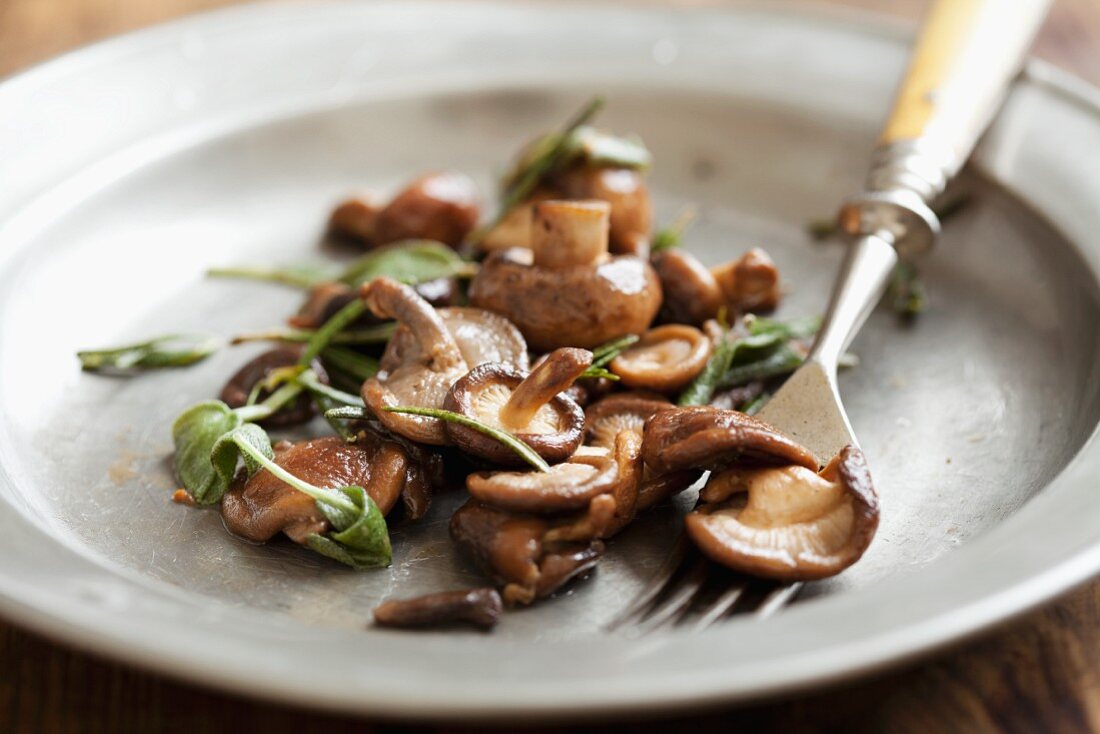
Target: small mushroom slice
<point x="664" y="359"/>
<point x="568" y="486"/>
<point x="237" y="391"/>
<point x="478" y="607"/>
<point x="439" y="206"/>
<point x="709" y="438"/>
<point x="789" y="522"/>
<point x="750" y="283"/>
<point x="531" y="557"/>
<point x="356" y="218"/>
<point x="625" y="190"/>
<point x="428" y="353"/>
<point x="692" y="294"/>
<point x="531" y="407"/>
<point x="262" y="506"/>
<point x="619" y="412"/>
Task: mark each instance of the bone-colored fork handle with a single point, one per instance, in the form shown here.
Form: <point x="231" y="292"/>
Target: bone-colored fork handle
<point x="959" y="72"/>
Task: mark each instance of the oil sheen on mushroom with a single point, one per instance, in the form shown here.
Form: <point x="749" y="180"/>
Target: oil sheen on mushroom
<point x="788" y="522"/>
<point x="262" y="506"/>
<point x="664" y="359"/>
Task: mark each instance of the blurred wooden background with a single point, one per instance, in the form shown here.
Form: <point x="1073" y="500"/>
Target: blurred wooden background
<point x="1037" y="674"/>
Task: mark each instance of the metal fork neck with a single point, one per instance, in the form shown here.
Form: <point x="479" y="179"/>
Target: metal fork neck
<point x="860" y="284"/>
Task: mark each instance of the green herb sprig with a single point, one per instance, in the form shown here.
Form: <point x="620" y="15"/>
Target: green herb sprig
<point x="672" y="235"/>
<point x="359" y="536"/>
<point x="302" y="277"/>
<point x="410" y="262"/>
<point x="359" y="336"/>
<point x="174" y="350"/>
<point x="521" y="449"/>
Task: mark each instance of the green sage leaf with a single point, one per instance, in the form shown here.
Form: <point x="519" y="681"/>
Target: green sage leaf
<point x="176" y="350"/>
<point x="194" y="434"/>
<point x="411" y="262"/>
<point x="359" y="539"/>
<point x="522" y="450"/>
<point x="226" y="452"/>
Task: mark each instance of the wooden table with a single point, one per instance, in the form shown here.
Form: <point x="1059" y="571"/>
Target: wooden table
<point x="1038" y="674"/>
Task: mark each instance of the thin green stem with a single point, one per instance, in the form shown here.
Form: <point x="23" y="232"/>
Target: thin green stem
<point x="331" y="328"/>
<point x="289" y="277"/>
<point x="310" y="382"/>
<point x="369" y="335"/>
<point x="524" y="451"/>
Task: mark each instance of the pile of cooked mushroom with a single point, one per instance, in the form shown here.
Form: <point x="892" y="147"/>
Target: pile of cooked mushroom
<point x="554" y="363"/>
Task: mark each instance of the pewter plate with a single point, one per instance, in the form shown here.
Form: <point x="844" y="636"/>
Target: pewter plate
<point x="130" y="167"/>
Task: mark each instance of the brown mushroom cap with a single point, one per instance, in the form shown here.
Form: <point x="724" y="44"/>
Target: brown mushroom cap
<point x="439" y="206"/>
<point x="428" y="353"/>
<point x="604" y="420"/>
<point x="664" y="359"/>
<point x="750" y="283"/>
<point x="788" y="522"/>
<point x="709" y="438"/>
<point x="568" y="486"/>
<point x="263" y="505"/>
<point x="625" y="190"/>
<point x="577" y="306"/>
<point x="479" y="607"/>
<point x="554" y="429"/>
<point x="691" y="293"/>
<point x="239" y="387"/>
<point x="356" y="218"/>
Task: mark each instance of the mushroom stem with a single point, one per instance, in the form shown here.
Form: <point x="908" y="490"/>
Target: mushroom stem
<point x="389" y="299"/>
<point x="555" y="375"/>
<point x="567" y="233"/>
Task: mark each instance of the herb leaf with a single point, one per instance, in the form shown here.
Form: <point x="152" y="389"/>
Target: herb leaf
<point x="176" y="350"/>
<point x="337" y="323"/>
<point x="522" y="450"/>
<point x="226" y="452"/>
<point x="595" y="372"/>
<point x="194" y="434"/>
<point x="410" y="261"/>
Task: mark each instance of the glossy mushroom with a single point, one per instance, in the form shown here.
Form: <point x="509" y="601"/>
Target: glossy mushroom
<point x="531" y="556"/>
<point x="691" y="293"/>
<point x="240" y="386"/>
<point x="479" y="607"/>
<point x="429" y="352"/>
<point x="262" y="506"/>
<point x="709" y="438"/>
<point x="531" y="407"/>
<point x="566" y="290"/>
<point x="750" y="283"/>
<point x="625" y="190"/>
<point x="788" y="523"/>
<point x="664" y="359"/>
<point x="356" y="218"/>
<point x="567" y="487"/>
<point x="439" y="206"/>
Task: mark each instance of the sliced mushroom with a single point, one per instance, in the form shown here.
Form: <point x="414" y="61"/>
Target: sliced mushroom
<point x="664" y="359"/>
<point x="439" y="206"/>
<point x="565" y="291"/>
<point x="568" y="486"/>
<point x="606" y="420"/>
<point x="479" y="607"/>
<point x="625" y="190"/>
<point x="515" y="229"/>
<point x="750" y="283"/>
<point x="237" y="391"/>
<point x="262" y="506"/>
<point x="691" y="294"/>
<point x="789" y="522"/>
<point x="709" y="438"/>
<point x="531" y="556"/>
<point x="356" y="218"/>
<point x="428" y="353"/>
<point x="531" y="407"/>
<point x="619" y="412"/>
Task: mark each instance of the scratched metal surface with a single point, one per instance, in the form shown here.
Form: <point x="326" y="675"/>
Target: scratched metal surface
<point x="964" y="415"/>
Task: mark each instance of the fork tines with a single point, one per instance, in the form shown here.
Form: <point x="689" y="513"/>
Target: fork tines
<point x="693" y="592"/>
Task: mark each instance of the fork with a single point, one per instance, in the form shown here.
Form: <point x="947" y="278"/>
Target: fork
<point x="965" y="57"/>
